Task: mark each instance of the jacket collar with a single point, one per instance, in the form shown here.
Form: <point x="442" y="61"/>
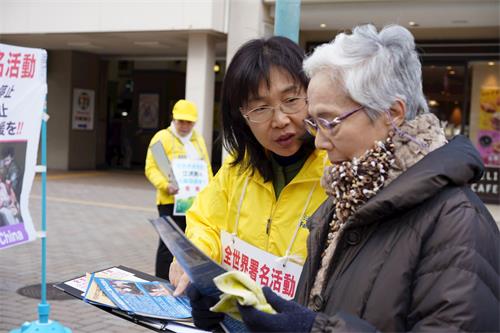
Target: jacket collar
<point x="311" y="171"/>
<point x="454" y="164"/>
<point x="193" y="138"/>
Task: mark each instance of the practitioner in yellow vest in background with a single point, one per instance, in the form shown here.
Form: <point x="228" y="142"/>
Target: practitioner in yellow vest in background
<point x="179" y="141"/>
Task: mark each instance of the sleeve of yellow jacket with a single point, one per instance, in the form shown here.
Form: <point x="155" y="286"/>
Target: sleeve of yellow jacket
<point x="208" y="212"/>
<point x="153" y="173"/>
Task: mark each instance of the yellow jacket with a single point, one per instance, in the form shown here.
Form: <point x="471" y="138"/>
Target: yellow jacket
<point x="265" y="222"/>
<point x="174" y="148"/>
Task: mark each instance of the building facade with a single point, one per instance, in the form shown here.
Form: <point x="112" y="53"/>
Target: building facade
<point x="135" y="59"/>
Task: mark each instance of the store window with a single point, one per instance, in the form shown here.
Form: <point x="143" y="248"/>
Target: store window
<point x="444" y="87"/>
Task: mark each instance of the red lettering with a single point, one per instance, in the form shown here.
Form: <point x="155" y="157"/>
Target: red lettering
<point x="277" y="278"/>
<point x="253" y="269"/>
<point x="244" y="263"/>
<point x="227" y="255"/>
<point x="1" y="64"/>
<point x="28" y="67"/>
<point x="264" y="278"/>
<point x="13" y="62"/>
<point x="289" y="285"/>
<point x="236" y="259"/>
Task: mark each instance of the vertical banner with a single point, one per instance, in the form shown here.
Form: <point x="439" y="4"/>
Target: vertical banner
<point x="488" y="144"/>
<point x="83" y="109"/>
<point x="148" y="111"/>
<point x="23" y="87"/>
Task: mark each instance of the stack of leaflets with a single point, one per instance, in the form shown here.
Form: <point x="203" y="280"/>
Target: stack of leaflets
<point x="134" y="296"/>
<point x="152" y="299"/>
<point x="138" y="297"/>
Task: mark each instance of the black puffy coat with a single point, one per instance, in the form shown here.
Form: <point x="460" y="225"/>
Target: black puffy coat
<point x="422" y="255"/>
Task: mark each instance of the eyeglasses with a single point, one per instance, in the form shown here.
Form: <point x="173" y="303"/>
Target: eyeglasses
<point x="312" y="125"/>
<point x="262" y="114"/>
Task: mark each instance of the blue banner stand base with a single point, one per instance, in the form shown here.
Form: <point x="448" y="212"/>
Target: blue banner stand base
<point x="36" y="326"/>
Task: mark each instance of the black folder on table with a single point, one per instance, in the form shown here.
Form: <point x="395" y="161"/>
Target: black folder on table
<point x="159" y="325"/>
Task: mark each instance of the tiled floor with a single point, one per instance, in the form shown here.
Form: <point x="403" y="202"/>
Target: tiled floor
<point x="95" y="220"/>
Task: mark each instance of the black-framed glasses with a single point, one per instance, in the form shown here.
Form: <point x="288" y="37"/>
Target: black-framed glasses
<point x="313" y="124"/>
<point x="262" y="114"/>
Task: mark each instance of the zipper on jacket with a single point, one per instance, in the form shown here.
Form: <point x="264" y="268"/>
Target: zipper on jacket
<point x="276" y="204"/>
<point x="268" y="231"/>
<point x="270" y="218"/>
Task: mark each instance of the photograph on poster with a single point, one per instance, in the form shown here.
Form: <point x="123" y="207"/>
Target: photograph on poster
<point x="148" y="111"/>
<point x="12" y="159"/>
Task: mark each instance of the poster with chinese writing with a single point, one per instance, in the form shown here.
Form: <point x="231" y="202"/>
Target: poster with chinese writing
<point x="148" y="111"/>
<point x="23" y="87"/>
<point x="192" y="177"/>
<point x="83" y="109"/>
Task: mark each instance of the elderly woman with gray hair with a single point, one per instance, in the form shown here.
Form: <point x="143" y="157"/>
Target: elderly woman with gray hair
<point x="402" y="243"/>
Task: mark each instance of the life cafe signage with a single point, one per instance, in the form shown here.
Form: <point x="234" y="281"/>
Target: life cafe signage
<point x="487" y="187"/>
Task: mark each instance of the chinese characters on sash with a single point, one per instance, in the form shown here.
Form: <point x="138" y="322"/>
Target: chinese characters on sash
<point x="263" y="267"/>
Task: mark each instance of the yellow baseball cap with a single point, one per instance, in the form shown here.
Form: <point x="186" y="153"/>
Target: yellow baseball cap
<point x="185" y="110"/>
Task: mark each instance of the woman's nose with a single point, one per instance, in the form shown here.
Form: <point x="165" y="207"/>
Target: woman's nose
<point x="280" y="119"/>
<point x="321" y="140"/>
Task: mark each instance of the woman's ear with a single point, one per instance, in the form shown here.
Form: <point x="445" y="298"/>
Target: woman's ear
<point x="397" y="112"/>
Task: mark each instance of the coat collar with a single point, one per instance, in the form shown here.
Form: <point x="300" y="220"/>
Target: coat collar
<point x="454" y="164"/>
<point x="193" y="138"/>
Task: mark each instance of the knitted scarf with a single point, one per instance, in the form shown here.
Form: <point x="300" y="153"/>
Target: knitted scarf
<point x="353" y="183"/>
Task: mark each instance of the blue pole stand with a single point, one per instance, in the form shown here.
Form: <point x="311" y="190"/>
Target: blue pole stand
<point x="287" y="19"/>
<point x="38" y="327"/>
<point x="43" y="324"/>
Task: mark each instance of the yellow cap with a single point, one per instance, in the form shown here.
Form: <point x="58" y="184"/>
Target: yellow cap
<point x="185" y="110"/>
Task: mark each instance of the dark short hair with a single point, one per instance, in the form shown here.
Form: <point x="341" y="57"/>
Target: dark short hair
<point x="7" y="151"/>
<point x="250" y="66"/>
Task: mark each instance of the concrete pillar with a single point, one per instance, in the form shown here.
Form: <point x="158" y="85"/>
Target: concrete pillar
<point x="200" y="81"/>
<point x="256" y="23"/>
<point x="59" y="109"/>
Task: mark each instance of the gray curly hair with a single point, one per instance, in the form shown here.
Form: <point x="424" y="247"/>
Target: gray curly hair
<point x="374" y="68"/>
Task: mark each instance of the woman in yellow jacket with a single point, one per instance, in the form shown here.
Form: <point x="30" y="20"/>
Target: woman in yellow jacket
<point x="179" y="141"/>
<point x="252" y="216"/>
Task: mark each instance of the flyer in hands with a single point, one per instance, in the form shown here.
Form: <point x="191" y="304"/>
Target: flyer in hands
<point x="150" y="299"/>
<point x="200" y="268"/>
